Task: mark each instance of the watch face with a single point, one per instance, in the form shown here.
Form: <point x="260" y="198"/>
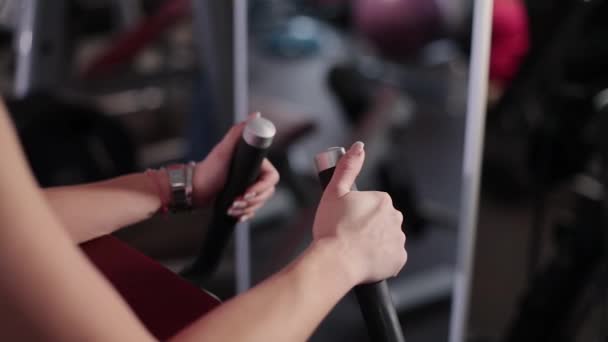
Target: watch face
<point x="177" y="178"/>
<point x="180" y="180"/>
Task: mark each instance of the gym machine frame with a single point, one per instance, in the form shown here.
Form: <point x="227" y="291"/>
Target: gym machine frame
<point x="471" y="168"/>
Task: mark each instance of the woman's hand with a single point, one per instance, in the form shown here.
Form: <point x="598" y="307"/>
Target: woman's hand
<point x="362" y="226"/>
<point x="210" y="177"/>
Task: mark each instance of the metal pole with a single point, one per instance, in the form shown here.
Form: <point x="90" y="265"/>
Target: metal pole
<point x="40" y="46"/>
<point x="241" y="103"/>
<point x="213" y="25"/>
<point x="221" y="28"/>
<point x="471" y="172"/>
<point x="24" y="47"/>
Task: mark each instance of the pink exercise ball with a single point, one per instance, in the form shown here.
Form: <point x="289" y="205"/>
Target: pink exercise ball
<point x="397" y="28"/>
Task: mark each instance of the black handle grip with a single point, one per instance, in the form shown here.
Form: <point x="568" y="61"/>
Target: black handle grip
<point x="374" y="299"/>
<point x="244" y="170"/>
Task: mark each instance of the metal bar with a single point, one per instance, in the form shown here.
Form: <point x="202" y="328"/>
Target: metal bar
<point x="24" y="47"/>
<point x="213" y="22"/>
<point x="222" y="30"/>
<point x="471" y="172"/>
<point x="137" y="37"/>
<point x="241" y="87"/>
<point x="40" y="46"/>
<point x="422" y="289"/>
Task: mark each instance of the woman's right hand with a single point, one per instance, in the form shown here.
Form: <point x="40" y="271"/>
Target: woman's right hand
<point x="363" y="226"/>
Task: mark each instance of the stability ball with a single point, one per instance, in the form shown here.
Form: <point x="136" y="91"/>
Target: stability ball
<point x="397" y="28"/>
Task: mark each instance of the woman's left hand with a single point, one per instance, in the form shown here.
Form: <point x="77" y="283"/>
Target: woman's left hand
<point x="210" y="177"/>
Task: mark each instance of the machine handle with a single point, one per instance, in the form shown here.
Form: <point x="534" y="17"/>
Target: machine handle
<point x="244" y="170"/>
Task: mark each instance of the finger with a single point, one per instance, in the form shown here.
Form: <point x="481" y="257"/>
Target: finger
<point x="242" y="204"/>
<point x="399" y="217"/>
<point x="246" y="218"/>
<point x="259" y="198"/>
<point x="253" y="209"/>
<point x="347" y="170"/>
<point x="269" y="177"/>
<point x="254" y="115"/>
<point x="259" y="202"/>
<point x="226" y="147"/>
<point x="250" y="209"/>
<point x="402" y="259"/>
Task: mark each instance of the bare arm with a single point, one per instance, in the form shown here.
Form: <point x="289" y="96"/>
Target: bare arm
<point x="91" y="210"/>
<point x="47" y="285"/>
<point x="286" y="307"/>
<point x="49" y="291"/>
<point x="357" y="238"/>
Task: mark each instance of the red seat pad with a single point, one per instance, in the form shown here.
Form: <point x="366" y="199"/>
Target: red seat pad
<point x="163" y="301"/>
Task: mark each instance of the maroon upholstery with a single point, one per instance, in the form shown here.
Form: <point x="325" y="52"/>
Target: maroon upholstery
<point x="163" y="301"/>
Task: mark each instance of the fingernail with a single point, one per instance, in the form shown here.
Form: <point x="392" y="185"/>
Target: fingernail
<point x="244" y="219"/>
<point x="239" y="204"/>
<point x="255" y="115"/>
<point x="358" y="147"/>
<point x="249" y="196"/>
<point x="234" y="212"/>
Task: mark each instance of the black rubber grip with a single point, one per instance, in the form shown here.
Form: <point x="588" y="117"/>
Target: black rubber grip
<point x="374" y="300"/>
<point x="244" y="170"/>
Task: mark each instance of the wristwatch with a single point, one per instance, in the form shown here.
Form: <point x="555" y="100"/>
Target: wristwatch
<point x="180" y="181"/>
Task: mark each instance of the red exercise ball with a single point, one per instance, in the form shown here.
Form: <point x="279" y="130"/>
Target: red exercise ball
<point x="510" y="40"/>
<point x="397" y="28"/>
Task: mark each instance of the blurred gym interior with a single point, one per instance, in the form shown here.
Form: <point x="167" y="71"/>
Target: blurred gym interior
<point x="101" y="88"/>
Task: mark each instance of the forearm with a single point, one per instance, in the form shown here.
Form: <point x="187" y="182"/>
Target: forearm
<point x="91" y="210"/>
<point x="286" y="307"/>
<point x="49" y="291"/>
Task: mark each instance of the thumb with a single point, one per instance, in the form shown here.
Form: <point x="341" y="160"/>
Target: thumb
<point x="228" y="143"/>
<point x="347" y="170"/>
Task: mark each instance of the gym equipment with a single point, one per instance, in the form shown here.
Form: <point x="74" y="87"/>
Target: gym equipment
<point x="129" y="44"/>
<point x="70" y="142"/>
<point x="366" y="109"/>
<point x="545" y="111"/>
<point x="41" y="61"/>
<point x="573" y="282"/>
<point x="393" y="179"/>
<point x="548" y="111"/>
<point x="397" y="28"/>
<point x="374" y="299"/>
<point x="244" y="169"/>
<point x="471" y="169"/>
<point x="353" y="91"/>
<point x="164" y="302"/>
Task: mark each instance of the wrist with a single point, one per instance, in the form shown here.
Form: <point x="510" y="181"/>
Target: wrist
<point x="337" y="257"/>
<point x="199" y="199"/>
<point x="162" y="189"/>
